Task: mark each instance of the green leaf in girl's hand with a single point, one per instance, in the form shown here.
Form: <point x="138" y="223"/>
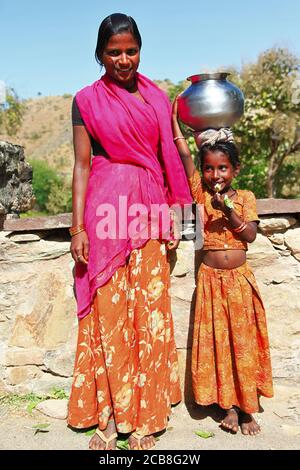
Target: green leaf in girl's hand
<point x="204" y="434"/>
<point x="228" y="202"/>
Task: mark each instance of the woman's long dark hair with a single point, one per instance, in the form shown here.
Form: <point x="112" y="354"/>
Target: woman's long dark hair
<point x="115" y="24"/>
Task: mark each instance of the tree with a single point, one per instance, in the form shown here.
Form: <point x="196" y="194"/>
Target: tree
<point x="269" y="132"/>
<point x="11" y="115"/>
<point x="60" y="198"/>
<point x="43" y="179"/>
<point x="53" y="194"/>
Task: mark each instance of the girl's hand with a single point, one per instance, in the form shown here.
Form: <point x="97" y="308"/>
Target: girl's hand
<point x="175" y="108"/>
<point x="80" y="248"/>
<point x="217" y="201"/>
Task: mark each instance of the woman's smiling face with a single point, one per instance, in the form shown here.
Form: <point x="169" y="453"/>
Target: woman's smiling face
<point x="121" y="58"/>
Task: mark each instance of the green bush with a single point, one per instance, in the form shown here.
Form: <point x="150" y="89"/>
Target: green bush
<point x="11" y="116"/>
<point x="60" y="198"/>
<point x="53" y="194"/>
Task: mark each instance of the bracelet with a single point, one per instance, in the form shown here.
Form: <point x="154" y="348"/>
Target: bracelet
<point x="179" y="137"/>
<point x="77" y="229"/>
<point x="75" y="232"/>
<point x="240" y="228"/>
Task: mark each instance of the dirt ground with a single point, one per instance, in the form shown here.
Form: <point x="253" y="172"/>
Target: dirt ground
<point x="279" y="421"/>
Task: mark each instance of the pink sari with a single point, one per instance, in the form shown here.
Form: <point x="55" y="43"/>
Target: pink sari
<point x="143" y="168"/>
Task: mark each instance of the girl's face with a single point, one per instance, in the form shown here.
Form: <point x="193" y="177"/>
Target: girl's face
<point x="121" y="58"/>
<point x="217" y="169"/>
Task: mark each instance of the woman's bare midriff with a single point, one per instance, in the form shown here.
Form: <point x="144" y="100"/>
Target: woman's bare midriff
<point x="224" y="259"/>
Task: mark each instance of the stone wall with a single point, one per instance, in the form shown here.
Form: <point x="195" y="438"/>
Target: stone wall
<point x="38" y="325"/>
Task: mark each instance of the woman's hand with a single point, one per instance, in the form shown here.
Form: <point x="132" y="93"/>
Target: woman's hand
<point x="80" y="247"/>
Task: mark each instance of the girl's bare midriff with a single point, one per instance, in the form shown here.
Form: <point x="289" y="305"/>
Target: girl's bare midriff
<point x="224" y="259"/>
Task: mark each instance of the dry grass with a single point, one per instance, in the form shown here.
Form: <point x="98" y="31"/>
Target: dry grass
<point x="46" y="132"/>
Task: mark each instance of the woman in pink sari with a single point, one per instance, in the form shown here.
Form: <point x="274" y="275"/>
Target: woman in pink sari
<point x="126" y="371"/>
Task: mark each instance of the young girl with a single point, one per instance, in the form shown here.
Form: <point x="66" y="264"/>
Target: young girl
<point x="230" y="356"/>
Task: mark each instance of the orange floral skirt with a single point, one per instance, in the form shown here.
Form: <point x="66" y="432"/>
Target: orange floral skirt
<point x="126" y="365"/>
<point x="230" y="356"/>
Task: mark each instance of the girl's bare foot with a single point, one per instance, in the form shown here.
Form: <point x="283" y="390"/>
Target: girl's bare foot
<point x="231" y="421"/>
<point x="137" y="442"/>
<point x="104" y="440"/>
<point x="248" y="424"/>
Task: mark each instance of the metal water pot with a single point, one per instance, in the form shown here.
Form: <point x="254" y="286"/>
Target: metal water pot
<point x="211" y="101"/>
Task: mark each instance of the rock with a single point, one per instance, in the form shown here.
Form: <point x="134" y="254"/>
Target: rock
<point x="4" y="390"/>
<point x="57" y="409"/>
<point x="35" y="251"/>
<point x="24" y="237"/>
<point x="45" y="384"/>
<point x="17" y="375"/>
<point x="277" y="238"/>
<point x="261" y="252"/>
<point x="21" y="357"/>
<point x="60" y="362"/>
<point x="4" y="303"/>
<point x="278" y="271"/>
<point x="276" y="224"/>
<point x="16" y="193"/>
<point x="283" y="252"/>
<point x="184" y="261"/>
<point x="292" y="241"/>
<point x="49" y="318"/>
<point x="183" y="288"/>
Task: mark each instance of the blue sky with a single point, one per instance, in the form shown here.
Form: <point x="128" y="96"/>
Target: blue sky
<point x="48" y="46"/>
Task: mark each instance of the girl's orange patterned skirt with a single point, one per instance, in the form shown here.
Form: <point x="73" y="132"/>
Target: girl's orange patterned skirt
<point x="230" y="357"/>
<point x="126" y="362"/>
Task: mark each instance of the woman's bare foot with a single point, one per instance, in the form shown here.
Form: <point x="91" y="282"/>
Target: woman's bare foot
<point x="231" y="421"/>
<point x="105" y="440"/>
<point x="248" y="424"/>
<point x="137" y="442"/>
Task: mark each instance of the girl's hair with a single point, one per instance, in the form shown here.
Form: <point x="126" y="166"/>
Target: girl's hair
<point x="229" y="148"/>
<point x="115" y="24"/>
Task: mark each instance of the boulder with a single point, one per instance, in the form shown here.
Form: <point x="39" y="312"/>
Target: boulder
<point x="21" y="374"/>
<point x="269" y="224"/>
<point x="16" y="193"/>
<point x="292" y="241"/>
<point x="24" y="357"/>
<point x="57" y="409"/>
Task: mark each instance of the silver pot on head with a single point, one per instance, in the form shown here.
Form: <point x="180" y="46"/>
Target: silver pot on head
<point x="210" y="102"/>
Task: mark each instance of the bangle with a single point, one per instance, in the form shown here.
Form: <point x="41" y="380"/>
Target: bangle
<point x="240" y="228"/>
<point x="77" y="229"/>
<point x="179" y="137"/>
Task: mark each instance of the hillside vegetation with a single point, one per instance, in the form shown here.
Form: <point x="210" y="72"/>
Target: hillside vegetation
<point x="46" y="132"/>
